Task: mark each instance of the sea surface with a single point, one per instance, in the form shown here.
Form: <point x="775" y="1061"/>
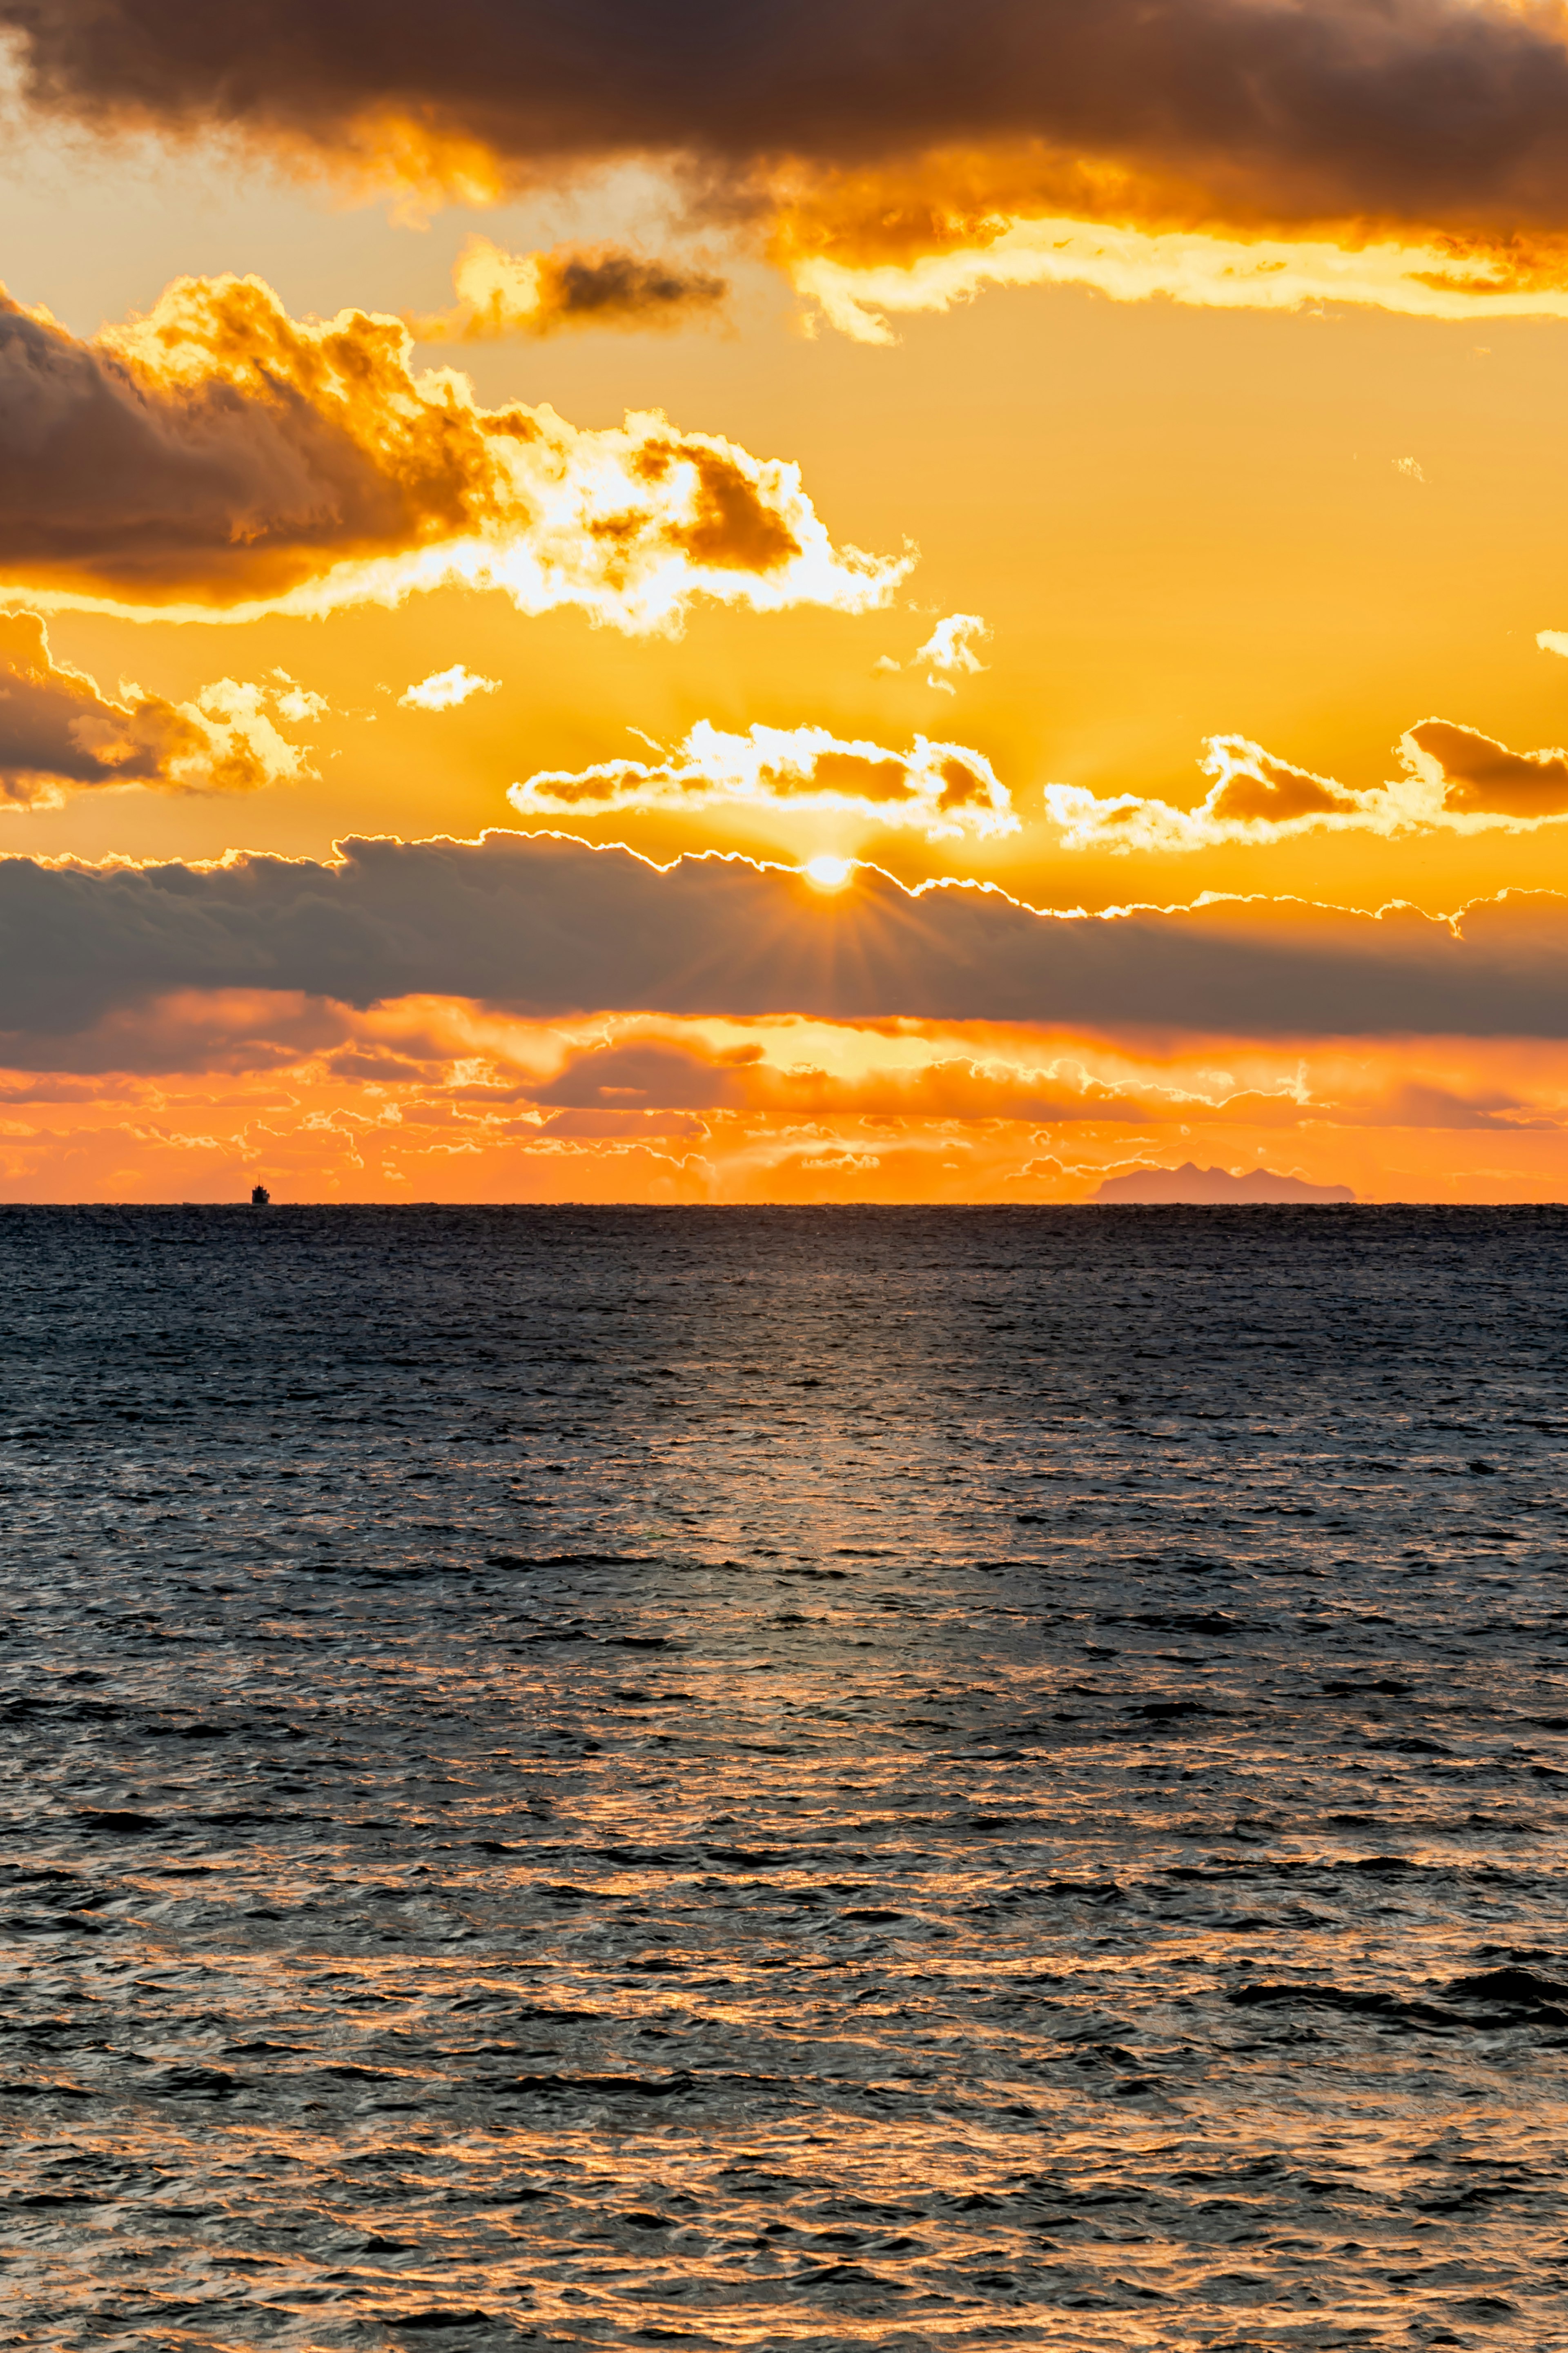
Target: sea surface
<point x="783" y="1778"/>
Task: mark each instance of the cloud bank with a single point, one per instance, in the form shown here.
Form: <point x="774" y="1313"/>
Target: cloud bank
<point x="943" y="788"/>
<point x="547" y="926"/>
<point x="59" y="733"/>
<point x="218" y="459"/>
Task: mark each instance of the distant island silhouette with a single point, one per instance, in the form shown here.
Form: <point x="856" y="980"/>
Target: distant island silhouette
<point x="1197" y="1185"/>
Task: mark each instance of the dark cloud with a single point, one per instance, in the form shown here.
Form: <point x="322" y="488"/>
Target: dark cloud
<point x="675" y="1075"/>
<point x="618" y="285"/>
<point x="1483" y="778"/>
<point x="1342" y="109"/>
<point x="641" y="1074"/>
<point x="547" y="926"/>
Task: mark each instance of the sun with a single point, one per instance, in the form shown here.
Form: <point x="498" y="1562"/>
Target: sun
<point x="828" y="873"/>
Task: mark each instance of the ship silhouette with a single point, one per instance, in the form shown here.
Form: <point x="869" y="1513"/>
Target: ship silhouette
<point x="259" y="1196"/>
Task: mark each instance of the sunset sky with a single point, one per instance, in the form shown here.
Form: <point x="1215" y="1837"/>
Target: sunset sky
<point x="748" y="603"/>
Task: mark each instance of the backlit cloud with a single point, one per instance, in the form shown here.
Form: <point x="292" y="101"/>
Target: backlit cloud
<point x="1442" y="122"/>
<point x="444" y="689"/>
<point x="951" y="648"/>
<point x="547" y="926"/>
<point x="218" y="459"/>
<point x="58" y="731"/>
<point x="1451" y="778"/>
<point x="859" y="292"/>
<point x="502" y="293"/>
<point x="943" y="788"/>
<point x="1480" y="777"/>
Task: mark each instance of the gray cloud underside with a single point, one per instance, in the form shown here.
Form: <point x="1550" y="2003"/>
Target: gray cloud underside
<point x="99" y="476"/>
<point x="1341" y="108"/>
<point x="547" y="926"/>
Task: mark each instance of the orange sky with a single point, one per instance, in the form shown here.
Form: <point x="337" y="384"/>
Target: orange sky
<point x="934" y="540"/>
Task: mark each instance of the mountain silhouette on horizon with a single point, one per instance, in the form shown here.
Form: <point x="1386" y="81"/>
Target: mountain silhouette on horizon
<point x="1191" y="1184"/>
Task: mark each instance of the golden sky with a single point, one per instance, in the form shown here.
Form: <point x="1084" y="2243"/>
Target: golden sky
<point x="754" y="615"/>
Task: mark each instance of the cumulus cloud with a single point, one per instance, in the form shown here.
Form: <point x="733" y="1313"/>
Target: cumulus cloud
<point x="218" y="459"/>
<point x="297" y="702"/>
<point x="1451" y="778"/>
<point x="943" y="788"/>
<point x="898" y="126"/>
<point x="1337" y="110"/>
<point x="58" y="731"/>
<point x="951" y="648"/>
<point x="444" y="689"/>
<point x="502" y="293"/>
<point x="547" y="926"/>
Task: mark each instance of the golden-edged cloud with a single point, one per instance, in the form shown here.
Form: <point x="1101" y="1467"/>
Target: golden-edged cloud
<point x="945" y="789"/>
<point x="547" y="926"/>
<point x="540" y="293"/>
<point x="59" y="733"/>
<point x="1452" y="778"/>
<point x="446" y="690"/>
<point x="1411" y="155"/>
<point x="1430" y="279"/>
<point x="218" y="459"/>
<point x="950" y="650"/>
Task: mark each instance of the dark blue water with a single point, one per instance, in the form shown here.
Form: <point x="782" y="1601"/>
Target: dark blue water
<point x="782" y="1779"/>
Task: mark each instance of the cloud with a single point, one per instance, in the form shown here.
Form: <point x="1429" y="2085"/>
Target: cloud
<point x="1254" y="798"/>
<point x="295" y="702"/>
<point x="59" y="733"/>
<point x="649" y="1074"/>
<point x="1481" y="778"/>
<point x="898" y="128"/>
<point x="545" y="926"/>
<point x="1448" y="277"/>
<point x="944" y="788"/>
<point x="218" y="459"/>
<point x="672" y="1074"/>
<point x="950" y="647"/>
<point x="502" y="293"/>
<point x="1452" y="779"/>
<point x="445" y="689"/>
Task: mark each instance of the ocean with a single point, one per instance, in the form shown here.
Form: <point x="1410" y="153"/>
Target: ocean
<point x="783" y="1778"/>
